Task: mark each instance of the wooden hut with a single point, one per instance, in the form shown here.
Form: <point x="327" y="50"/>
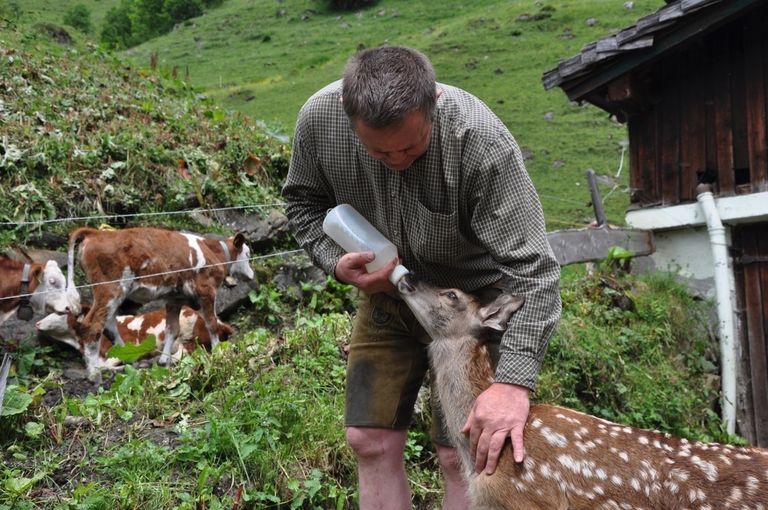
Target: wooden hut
<point x="691" y="82"/>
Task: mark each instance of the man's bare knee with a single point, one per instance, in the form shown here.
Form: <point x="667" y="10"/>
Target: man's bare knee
<point x="376" y="442"/>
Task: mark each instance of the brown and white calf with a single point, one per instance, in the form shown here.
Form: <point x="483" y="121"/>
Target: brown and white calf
<point x="146" y="264"/>
<point x="573" y="460"/>
<point x="33" y="288"/>
<point x="68" y="328"/>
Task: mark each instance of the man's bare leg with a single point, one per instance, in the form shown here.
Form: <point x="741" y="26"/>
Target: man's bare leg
<point x="381" y="475"/>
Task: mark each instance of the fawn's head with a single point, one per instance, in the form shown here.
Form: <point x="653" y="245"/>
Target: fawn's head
<point x="450" y="313"/>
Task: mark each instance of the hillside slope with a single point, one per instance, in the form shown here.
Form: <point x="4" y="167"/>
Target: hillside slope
<point x="85" y="135"/>
<point x="265" y="58"/>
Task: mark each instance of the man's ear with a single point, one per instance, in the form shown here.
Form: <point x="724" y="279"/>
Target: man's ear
<point x="496" y="315"/>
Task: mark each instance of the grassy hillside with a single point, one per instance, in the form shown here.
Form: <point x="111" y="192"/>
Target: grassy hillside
<point x="84" y="135"/>
<point x="34" y="11"/>
<point x="265" y="57"/>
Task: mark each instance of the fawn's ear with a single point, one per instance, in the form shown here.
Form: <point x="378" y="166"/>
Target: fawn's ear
<point x="496" y="314"/>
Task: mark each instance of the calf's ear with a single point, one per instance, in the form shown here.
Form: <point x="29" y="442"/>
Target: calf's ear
<point x="238" y="240"/>
<point x="36" y="273"/>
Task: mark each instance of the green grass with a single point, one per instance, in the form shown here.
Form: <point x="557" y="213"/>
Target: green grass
<point x="258" y="421"/>
<point x="634" y="351"/>
<point x="90" y="137"/>
<point x="259" y="416"/>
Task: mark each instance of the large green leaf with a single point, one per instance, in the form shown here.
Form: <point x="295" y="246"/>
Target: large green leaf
<point x="16" y="401"/>
<point x="129" y="353"/>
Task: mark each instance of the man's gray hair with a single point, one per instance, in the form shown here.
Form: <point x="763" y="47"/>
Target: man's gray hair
<point x="381" y="86"/>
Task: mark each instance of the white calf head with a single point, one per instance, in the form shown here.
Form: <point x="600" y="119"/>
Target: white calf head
<point x="55" y="325"/>
<point x="59" y="327"/>
<point x="51" y="294"/>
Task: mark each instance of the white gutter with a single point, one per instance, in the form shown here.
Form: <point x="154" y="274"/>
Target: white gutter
<point x="732" y="210"/>
<point x="719" y="243"/>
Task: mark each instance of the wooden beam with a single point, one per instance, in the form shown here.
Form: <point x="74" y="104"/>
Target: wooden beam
<point x="592" y="244"/>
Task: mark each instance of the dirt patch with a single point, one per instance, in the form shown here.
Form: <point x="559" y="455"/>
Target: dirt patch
<point x="69" y="386"/>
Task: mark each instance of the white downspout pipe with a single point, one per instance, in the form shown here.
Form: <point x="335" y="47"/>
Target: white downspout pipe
<point x="718" y="241"/>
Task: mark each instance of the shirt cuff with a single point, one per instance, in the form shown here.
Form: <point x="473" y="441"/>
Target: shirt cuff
<point x="328" y="261"/>
<point x="518" y="369"/>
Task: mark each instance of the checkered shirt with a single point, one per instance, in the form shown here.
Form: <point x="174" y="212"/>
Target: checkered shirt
<point x="465" y="215"/>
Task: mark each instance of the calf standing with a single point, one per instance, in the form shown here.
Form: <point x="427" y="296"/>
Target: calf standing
<point x="144" y="264"/>
<point x="573" y="460"/>
<point x="68" y="328"/>
<point x="34" y="288"/>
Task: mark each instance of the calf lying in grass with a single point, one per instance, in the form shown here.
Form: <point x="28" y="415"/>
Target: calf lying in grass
<point x="69" y="329"/>
<point x="573" y="460"/>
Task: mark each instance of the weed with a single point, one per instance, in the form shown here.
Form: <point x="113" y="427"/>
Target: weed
<point x="267" y="302"/>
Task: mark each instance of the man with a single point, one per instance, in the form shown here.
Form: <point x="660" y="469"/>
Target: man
<point x="436" y="172"/>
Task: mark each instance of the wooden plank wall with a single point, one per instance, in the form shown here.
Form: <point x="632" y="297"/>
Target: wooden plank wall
<point x="756" y="64"/>
<point x="752" y="279"/>
<point x="709" y="112"/>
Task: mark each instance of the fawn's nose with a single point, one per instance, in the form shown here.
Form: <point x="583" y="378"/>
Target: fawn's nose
<point x="407" y="283"/>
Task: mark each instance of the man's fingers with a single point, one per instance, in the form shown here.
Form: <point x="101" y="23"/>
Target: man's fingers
<point x="499" y="412"/>
<point x="481" y="455"/>
<point x="351" y="269"/>
<point x="359" y="259"/>
<point x="517" y="444"/>
<point x="495" y="446"/>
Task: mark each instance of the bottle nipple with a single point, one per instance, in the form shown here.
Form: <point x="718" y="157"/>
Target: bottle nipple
<point x="397" y="273"/>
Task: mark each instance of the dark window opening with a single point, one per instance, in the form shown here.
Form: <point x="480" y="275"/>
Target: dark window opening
<point x="741" y="176"/>
<point x="706" y="176"/>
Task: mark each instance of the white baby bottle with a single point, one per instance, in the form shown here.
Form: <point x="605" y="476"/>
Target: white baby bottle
<point x="354" y="233"/>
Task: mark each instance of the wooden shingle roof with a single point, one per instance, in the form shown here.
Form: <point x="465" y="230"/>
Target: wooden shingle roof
<point x="675" y="23"/>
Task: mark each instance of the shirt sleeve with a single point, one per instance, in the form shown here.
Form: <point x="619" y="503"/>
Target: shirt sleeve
<point x="308" y="196"/>
<point x="508" y="220"/>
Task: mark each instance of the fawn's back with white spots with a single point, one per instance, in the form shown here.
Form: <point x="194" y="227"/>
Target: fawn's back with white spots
<point x="573" y="460"/>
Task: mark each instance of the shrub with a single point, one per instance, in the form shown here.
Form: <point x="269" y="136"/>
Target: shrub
<point x="117" y="32"/>
<point x="79" y="17"/>
<point x="180" y="10"/>
<point x="348" y="5"/>
<point x="150" y="19"/>
<point x="9" y="9"/>
<point x="137" y="21"/>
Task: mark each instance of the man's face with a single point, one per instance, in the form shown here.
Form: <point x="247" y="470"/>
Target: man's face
<point x="396" y="146"/>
